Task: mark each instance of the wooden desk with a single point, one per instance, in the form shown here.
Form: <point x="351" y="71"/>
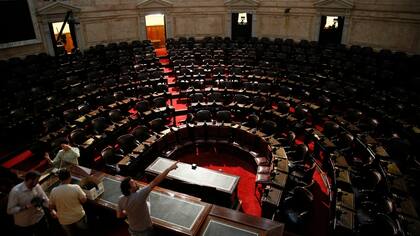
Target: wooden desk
<point x="369" y="140"/>
<point x="200" y="176"/>
<point x="322" y="143"/>
<point x="281" y="153"/>
<point x="177" y="213"/>
<point x="271" y="201"/>
<point x="407" y="207"/>
<point x="352" y="128"/>
<point x="280" y="164"/>
<point x="173" y="212"/>
<point x="381" y="152"/>
<point x="340" y="161"/>
<point x="210" y="185"/>
<point x="272" y="141"/>
<point x="391" y="168"/>
<point x="343" y="175"/>
<point x="228" y="222"/>
<point x="344" y="221"/>
<point x="279" y="179"/>
<point x="345" y="199"/>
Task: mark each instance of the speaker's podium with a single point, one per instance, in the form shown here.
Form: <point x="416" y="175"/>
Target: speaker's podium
<point x="211" y="186"/>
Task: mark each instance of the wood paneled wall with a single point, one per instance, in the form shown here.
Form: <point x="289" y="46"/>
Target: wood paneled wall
<point x="156" y="32"/>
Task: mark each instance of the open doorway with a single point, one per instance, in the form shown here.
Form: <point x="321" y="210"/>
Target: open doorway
<point x="155" y="30"/>
<point x="241" y="26"/>
<point x="62" y="37"/>
<point x="331" y="29"/>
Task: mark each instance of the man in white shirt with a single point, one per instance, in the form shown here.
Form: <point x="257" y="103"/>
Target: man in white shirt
<point x="67" y="200"/>
<point x="66" y="154"/>
<point x="25" y="204"/>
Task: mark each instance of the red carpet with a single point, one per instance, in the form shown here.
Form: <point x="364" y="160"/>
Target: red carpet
<point x="231" y="164"/>
<point x="164" y="61"/>
<point x="180" y="119"/>
<point x="170" y="78"/>
<point x="161" y="52"/>
<point x="18" y="159"/>
<point x="320" y="216"/>
<point x="178" y="105"/>
<point x="167" y="70"/>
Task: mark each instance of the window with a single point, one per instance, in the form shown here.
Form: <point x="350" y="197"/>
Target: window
<point x="16" y="21"/>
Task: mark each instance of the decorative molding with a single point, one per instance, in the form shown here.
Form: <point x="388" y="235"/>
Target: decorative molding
<point x="334" y="4"/>
<point x="155" y="4"/>
<point x="57" y="8"/>
<point x="242" y="3"/>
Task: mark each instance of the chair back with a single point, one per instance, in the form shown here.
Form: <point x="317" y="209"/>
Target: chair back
<point x="115" y="115"/>
<point x="78" y="136"/>
<point x="203" y="115"/>
<point x="141" y="133"/>
<point x="99" y="124"/>
<point x="223" y="116"/>
<point x="127" y="142"/>
<point x="269" y="127"/>
<point x="142" y="106"/>
<point x="157" y="124"/>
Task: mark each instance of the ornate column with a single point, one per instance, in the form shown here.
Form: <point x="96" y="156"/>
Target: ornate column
<point x="47" y="37"/>
<point x="346" y="29"/>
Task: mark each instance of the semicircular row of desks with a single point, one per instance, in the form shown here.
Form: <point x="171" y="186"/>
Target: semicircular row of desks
<point x="261" y="149"/>
<point x="173" y="213"/>
<point x="262" y="152"/>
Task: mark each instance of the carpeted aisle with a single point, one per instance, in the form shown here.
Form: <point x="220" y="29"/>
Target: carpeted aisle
<point x="216" y="160"/>
<point x="320" y="216"/>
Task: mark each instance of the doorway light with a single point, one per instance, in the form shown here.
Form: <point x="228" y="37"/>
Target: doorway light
<point x="331" y="22"/>
<point x="57" y="26"/>
<point x="242" y="19"/>
<point x="155" y="19"/>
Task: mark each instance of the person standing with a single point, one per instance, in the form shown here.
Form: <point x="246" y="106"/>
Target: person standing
<point x="133" y="204"/>
<point x="67" y="200"/>
<point x="25" y="204"/>
<point x="66" y="154"/>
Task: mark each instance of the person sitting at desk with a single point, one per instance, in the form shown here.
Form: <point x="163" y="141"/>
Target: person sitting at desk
<point x="133" y="204"/>
<point x="66" y="154"/>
